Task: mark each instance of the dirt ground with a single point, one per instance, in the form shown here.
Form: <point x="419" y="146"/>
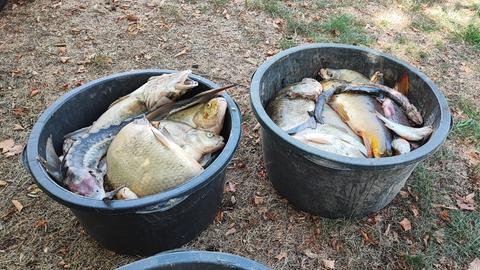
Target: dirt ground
<point x="48" y="47"/>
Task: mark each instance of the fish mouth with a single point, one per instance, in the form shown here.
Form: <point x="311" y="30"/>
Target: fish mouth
<point x="185" y="83"/>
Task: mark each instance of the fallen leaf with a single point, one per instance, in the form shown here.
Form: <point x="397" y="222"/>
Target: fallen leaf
<point x="3" y="183"/>
<point x="376" y="218"/>
<point x="329" y="264"/>
<point x="17" y="127"/>
<point x="444" y="215"/>
<point x="17" y="205"/>
<point x="474" y="265"/>
<point x="414" y="210"/>
<point x="466" y="203"/>
<point x="132" y="18"/>
<point x="335" y="32"/>
<point x="6" y="145"/>
<point x="15" y="150"/>
<point x="473" y="158"/>
<point x="310" y="254"/>
<point x="439" y="236"/>
<point x="336" y="245"/>
<point x="406" y="225"/>
<point x="367" y="239"/>
<point x="81" y="69"/>
<point x="19" y="111"/>
<point x="404" y="193"/>
<point x="435" y="205"/>
<point x="257" y="200"/>
<point x="230" y="231"/>
<point x="219" y="216"/>
<point x="34" y="92"/>
<point x="41" y="223"/>
<point x="269" y="53"/>
<point x="281" y="255"/>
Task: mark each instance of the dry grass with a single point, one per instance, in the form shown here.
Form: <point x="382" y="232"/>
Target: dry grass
<point x="104" y="37"/>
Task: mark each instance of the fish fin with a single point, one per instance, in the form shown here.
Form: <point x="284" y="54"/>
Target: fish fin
<point x="118" y="100"/>
<point x="51" y="156"/>
<point x="78" y="132"/>
<point x="55" y="172"/>
<point x="310" y="123"/>
<point x="367" y="143"/>
<point x="167" y="133"/>
<point x="161" y="137"/>
<point x="403" y="84"/>
<point x="111" y="194"/>
<point x="342" y="113"/>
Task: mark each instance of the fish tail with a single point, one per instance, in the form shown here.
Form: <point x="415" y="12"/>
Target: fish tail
<point x="367" y="143"/>
<point x="403" y="84"/>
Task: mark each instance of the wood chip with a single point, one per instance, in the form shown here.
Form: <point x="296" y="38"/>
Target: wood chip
<point x="230" y="231"/>
<point x="406" y="225"/>
<point x="415" y="210"/>
<point x="17" y="205"/>
<point x="257" y="200"/>
<point x="34" y="92"/>
<point x="184" y="51"/>
<point x="17" y="127"/>
<point x="310" y="254"/>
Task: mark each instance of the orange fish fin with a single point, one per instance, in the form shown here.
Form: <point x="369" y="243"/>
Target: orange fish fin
<point x="367" y="143"/>
<point x="403" y="84"/>
<point x="342" y="113"/>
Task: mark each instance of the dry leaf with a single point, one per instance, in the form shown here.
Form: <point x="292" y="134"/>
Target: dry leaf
<point x="329" y="264"/>
<point x="3" y="183"/>
<point x="426" y="238"/>
<point x="17" y="127"/>
<point x="414" y="210"/>
<point x="230" y="231"/>
<point x="281" y="255"/>
<point x="132" y="18"/>
<point x="34" y="92"/>
<point x="17" y="205"/>
<point x="435" y="205"/>
<point x="257" y="200"/>
<point x="219" y="216"/>
<point x="474" y="265"/>
<point x="406" y="225"/>
<point x="19" y="111"/>
<point x="444" y="215"/>
<point x="473" y="158"/>
<point x="310" y="254"/>
<point x="466" y="203"/>
<point x="41" y="223"/>
<point x="367" y="239"/>
<point x="15" y="150"/>
<point x="6" y="145"/>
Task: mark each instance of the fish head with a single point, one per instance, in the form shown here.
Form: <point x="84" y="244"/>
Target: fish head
<point x="211" y="115"/>
<point x="86" y="183"/>
<point x="326" y="73"/>
<point x="206" y="142"/>
<point x="178" y="83"/>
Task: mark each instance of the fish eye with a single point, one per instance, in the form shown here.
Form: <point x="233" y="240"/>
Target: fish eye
<point x="209" y="135"/>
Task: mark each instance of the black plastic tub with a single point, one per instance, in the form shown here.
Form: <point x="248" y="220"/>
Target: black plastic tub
<point x="143" y="226"/>
<point x="324" y="183"/>
<point x="194" y="260"/>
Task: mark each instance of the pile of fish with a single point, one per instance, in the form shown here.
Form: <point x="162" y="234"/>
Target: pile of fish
<point x="348" y="114"/>
<point x="146" y="142"/>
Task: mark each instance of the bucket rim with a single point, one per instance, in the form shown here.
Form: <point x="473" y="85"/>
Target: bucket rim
<point x="337" y="161"/>
<point x="73" y="200"/>
<point x="173" y="257"/>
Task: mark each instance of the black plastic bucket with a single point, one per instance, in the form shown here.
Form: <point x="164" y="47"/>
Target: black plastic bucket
<point x="324" y="183"/>
<point x="150" y="224"/>
<point x="194" y="260"/>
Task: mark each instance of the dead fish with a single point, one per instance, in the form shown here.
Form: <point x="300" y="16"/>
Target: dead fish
<point x="358" y="111"/>
<point x="342" y="74"/>
<point x="370" y="89"/>
<point x="195" y="142"/>
<point x="157" y="91"/>
<point x="329" y="143"/>
<point x="331" y="118"/>
<point x="406" y="132"/>
<point x="330" y="131"/>
<point x="287" y="113"/>
<point x="207" y="116"/>
<point x="143" y="159"/>
<point x="308" y="88"/>
<point x="400" y="146"/>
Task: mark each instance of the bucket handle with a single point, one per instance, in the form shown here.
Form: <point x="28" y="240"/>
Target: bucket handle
<point x="162" y="207"/>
